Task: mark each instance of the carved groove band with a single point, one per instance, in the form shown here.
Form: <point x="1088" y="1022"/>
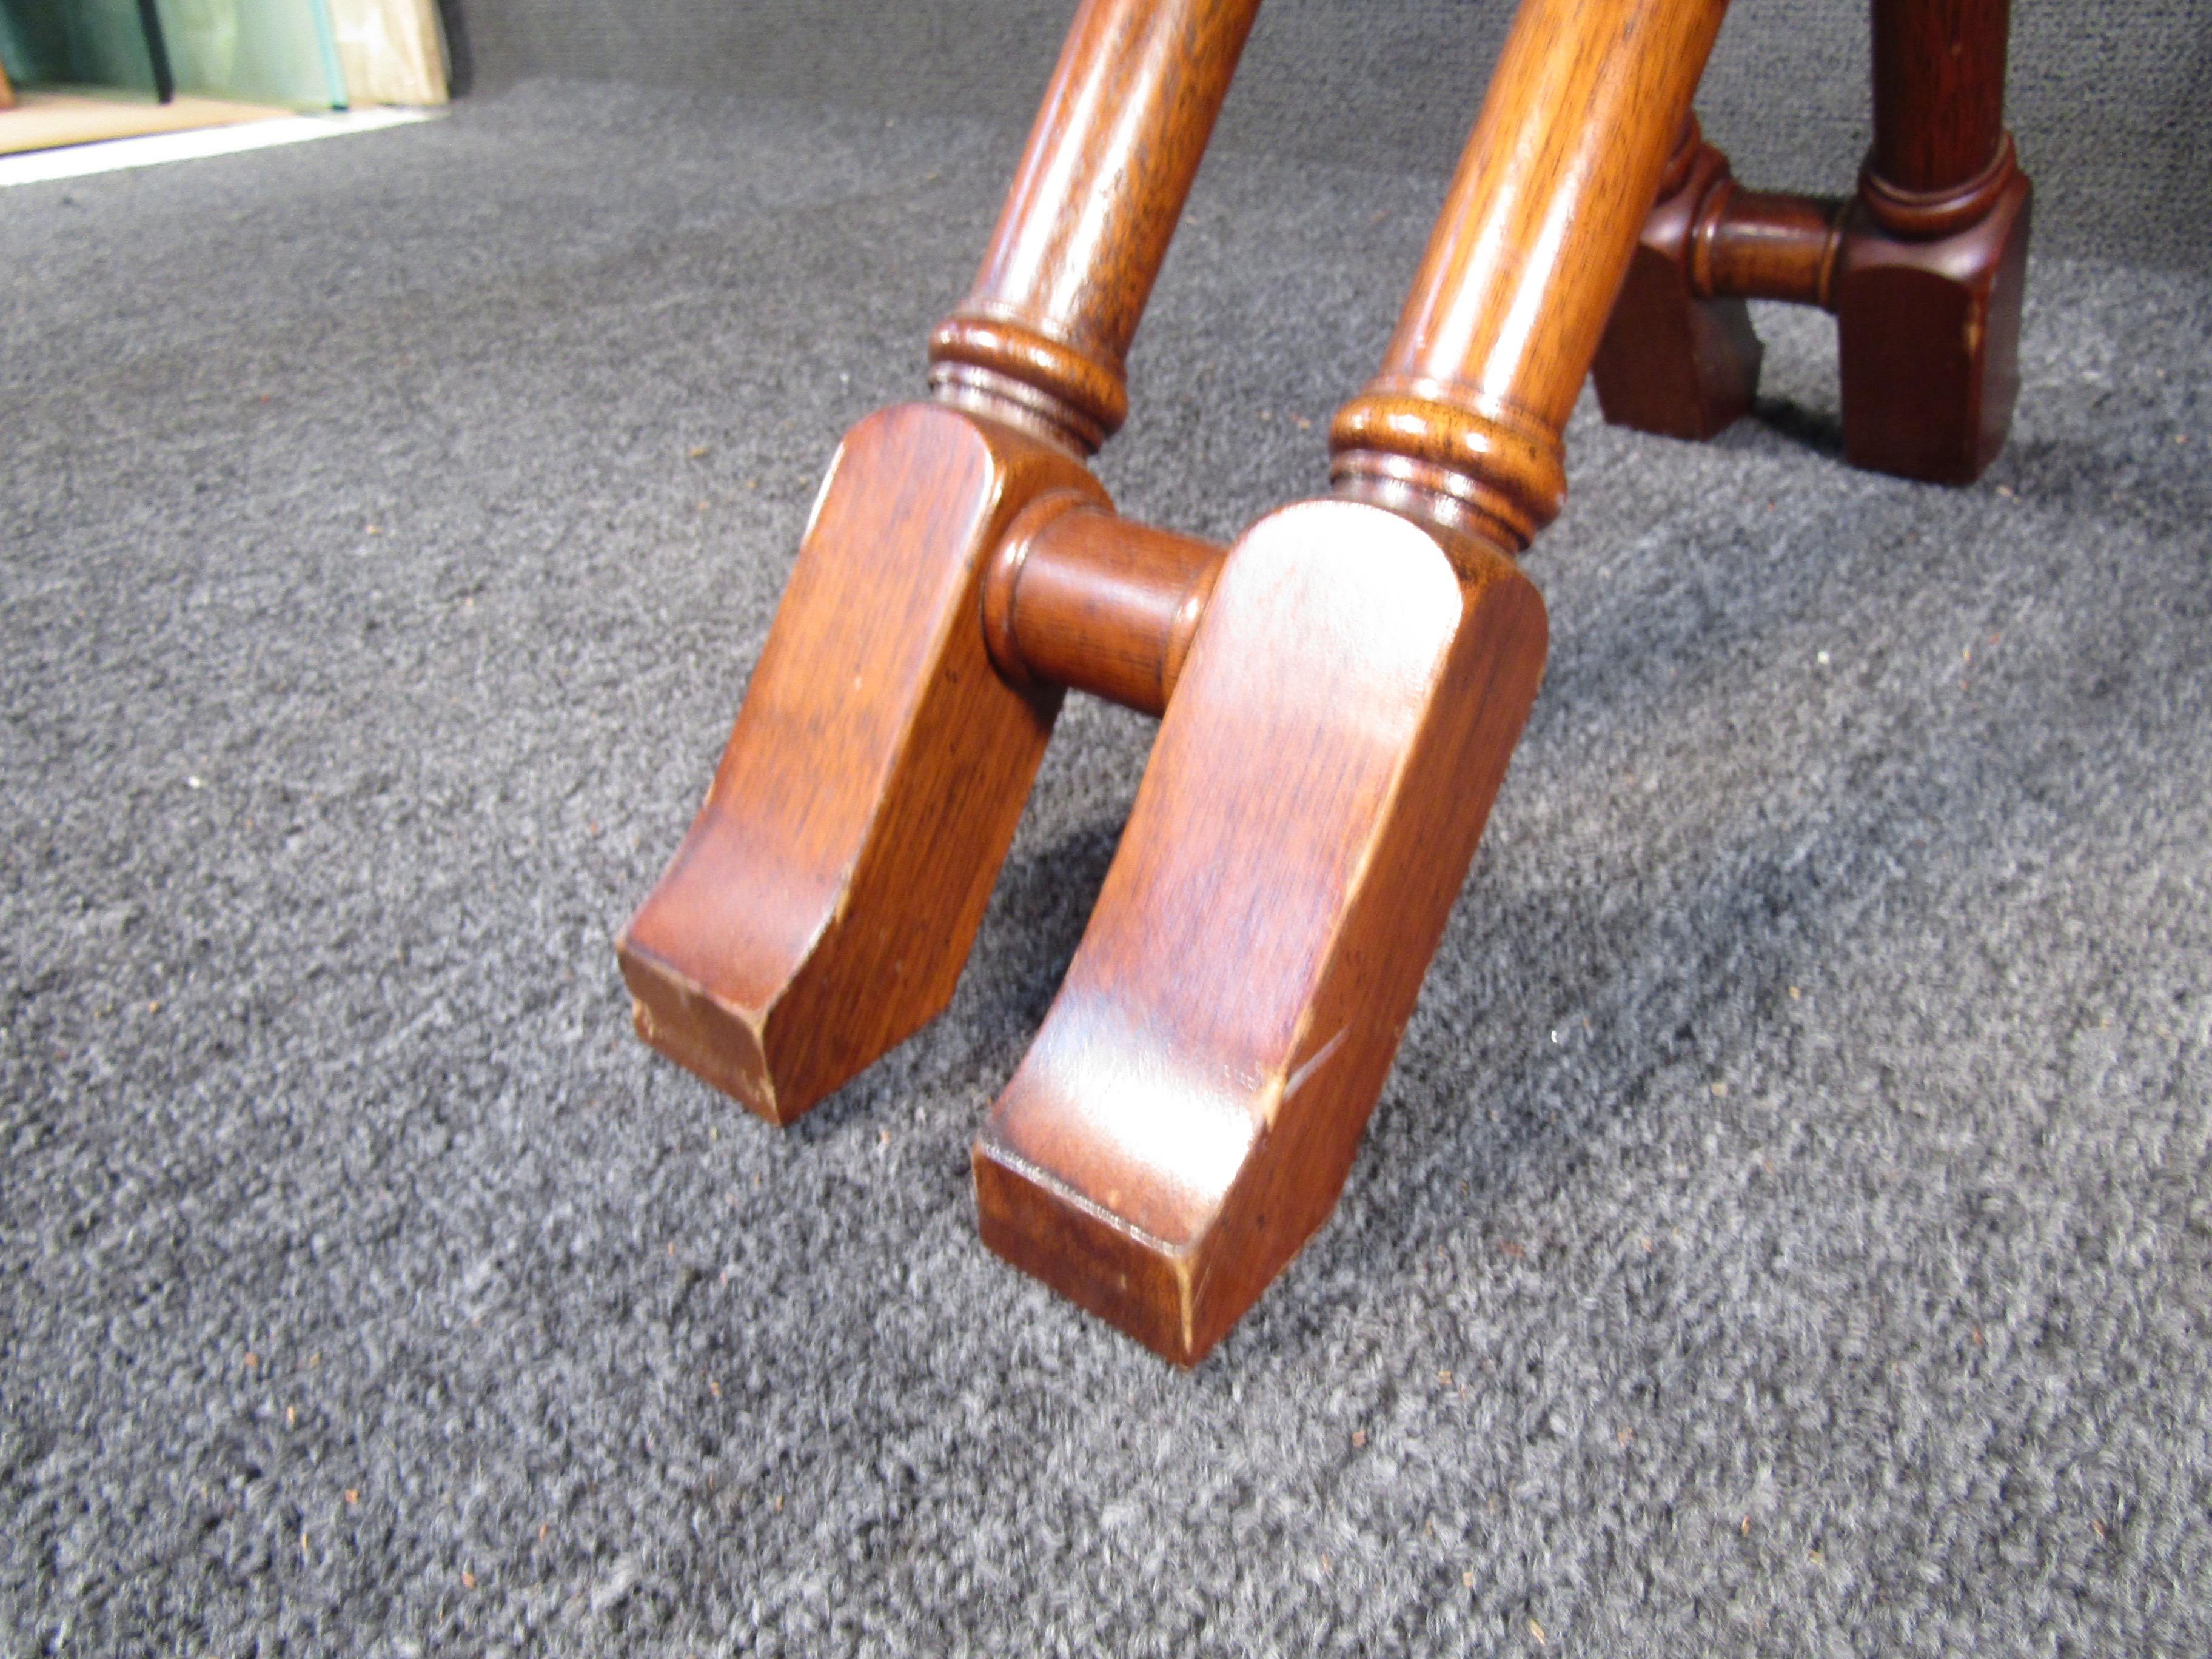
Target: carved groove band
<point x="1482" y="459"/>
<point x="1912" y="215"/>
<point x="983" y="360"/>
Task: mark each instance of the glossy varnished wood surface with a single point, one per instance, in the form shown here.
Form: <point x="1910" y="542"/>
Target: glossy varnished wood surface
<point x="1924" y="266"/>
<point x="822" y="906"/>
<point x="1761" y="245"/>
<point x="1187" y="1115"/>
<point x="1939" y="85"/>
<point x="1462" y="423"/>
<point x="1080" y="598"/>
<point x="1044" y="334"/>
<point x="1674" y="358"/>
<point x="1188" y="1112"/>
<point x="1928" y="342"/>
<point x="1934" y="274"/>
<point x="1342" y="690"/>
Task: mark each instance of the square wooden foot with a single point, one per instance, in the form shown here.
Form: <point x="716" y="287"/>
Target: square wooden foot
<point x="820" y="909"/>
<point x="1929" y="342"/>
<point x="1671" y="361"/>
<point x="1191" y="1106"/>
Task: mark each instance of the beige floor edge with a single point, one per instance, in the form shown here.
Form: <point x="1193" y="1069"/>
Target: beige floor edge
<point x="47" y="120"/>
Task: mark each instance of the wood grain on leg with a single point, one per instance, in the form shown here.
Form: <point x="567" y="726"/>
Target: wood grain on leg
<point x="1188" y="1113"/>
<point x="1461" y="427"/>
<point x="1928" y="299"/>
<point x="1674" y="360"/>
<point x="822" y="906"/>
<point x="1925" y="266"/>
<point x="1041" y="338"/>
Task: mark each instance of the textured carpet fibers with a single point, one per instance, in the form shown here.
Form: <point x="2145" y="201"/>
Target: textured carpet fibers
<point x="2108" y="99"/>
<point x="1786" y="1228"/>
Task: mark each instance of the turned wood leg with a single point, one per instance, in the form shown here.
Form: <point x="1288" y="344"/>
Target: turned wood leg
<point x="822" y="906"/>
<point x="1677" y="359"/>
<point x="1928" y="298"/>
<point x="1344" y="716"/>
<point x="1924" y="267"/>
<point x="1188" y="1113"/>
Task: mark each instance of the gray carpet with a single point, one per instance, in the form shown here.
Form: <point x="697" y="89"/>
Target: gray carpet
<point x="1786" y="1229"/>
<point x="2108" y="99"/>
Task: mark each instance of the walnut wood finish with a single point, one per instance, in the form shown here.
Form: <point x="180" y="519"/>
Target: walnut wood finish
<point x="1188" y="1112"/>
<point x="1080" y="598"/>
<point x="1341" y="691"/>
<point x="1676" y="357"/>
<point x="1042" y="336"/>
<point x="1927" y="302"/>
<point x="1757" y="246"/>
<point x="821" y="907"/>
<point x="1462" y="425"/>
<point x="1939" y="75"/>
<point x="1924" y="267"/>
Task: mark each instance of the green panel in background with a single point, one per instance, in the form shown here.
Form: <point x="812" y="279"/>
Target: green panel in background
<point x="87" y="43"/>
<point x="18" y="54"/>
<point x="258" y="52"/>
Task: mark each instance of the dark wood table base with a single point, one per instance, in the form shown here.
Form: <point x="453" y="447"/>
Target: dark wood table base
<point x="1340" y="691"/>
<point x="1924" y="265"/>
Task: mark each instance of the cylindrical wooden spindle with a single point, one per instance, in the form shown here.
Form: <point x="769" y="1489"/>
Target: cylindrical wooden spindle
<point x="1939" y="70"/>
<point x="1080" y="598"/>
<point x="1042" y="336"/>
<point x="1752" y="244"/>
<point x="1461" y="427"/>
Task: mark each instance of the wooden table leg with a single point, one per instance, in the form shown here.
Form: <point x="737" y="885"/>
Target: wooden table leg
<point x="1928" y="298"/>
<point x="822" y="906"/>
<point x="1676" y="358"/>
<point x="1187" y="1113"/>
<point x="1924" y="267"/>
